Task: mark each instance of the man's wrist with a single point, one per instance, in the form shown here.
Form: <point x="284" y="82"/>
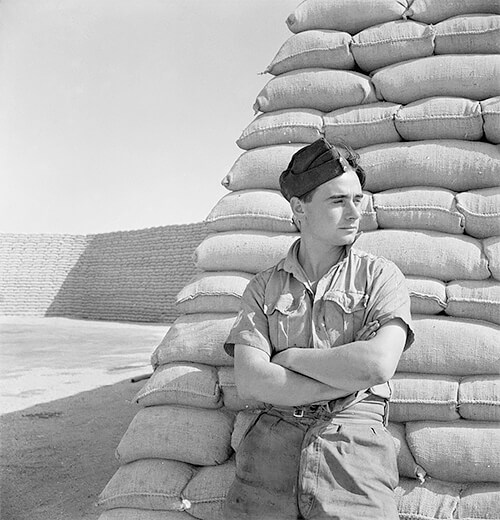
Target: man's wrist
<point x="284" y="358"/>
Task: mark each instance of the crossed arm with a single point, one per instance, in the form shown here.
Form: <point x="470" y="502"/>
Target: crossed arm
<point x="299" y="376"/>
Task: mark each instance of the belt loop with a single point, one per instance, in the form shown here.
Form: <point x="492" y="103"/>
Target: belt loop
<point x="298" y="412"/>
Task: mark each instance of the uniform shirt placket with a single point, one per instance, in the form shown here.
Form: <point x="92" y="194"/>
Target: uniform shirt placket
<point x="320" y="335"/>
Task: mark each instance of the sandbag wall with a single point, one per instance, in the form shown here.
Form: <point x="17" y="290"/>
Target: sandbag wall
<point x="120" y="276"/>
<point x="130" y="275"/>
<point x="418" y="96"/>
<point x="33" y="268"/>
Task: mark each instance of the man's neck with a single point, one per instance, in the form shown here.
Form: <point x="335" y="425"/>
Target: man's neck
<point x="317" y="258"/>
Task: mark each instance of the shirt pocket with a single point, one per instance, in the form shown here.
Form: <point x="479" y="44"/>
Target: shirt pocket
<point x="344" y="315"/>
<point x="286" y="316"/>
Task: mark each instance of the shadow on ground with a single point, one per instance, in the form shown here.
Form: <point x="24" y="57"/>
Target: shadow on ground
<point x="56" y="457"/>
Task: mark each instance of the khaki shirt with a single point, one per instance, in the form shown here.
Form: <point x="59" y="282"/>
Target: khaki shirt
<point x="279" y="309"/>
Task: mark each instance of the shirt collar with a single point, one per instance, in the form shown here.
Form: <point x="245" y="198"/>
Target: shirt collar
<point x="291" y="263"/>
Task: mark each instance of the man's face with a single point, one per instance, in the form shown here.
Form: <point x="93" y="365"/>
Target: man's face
<point x="332" y="216"/>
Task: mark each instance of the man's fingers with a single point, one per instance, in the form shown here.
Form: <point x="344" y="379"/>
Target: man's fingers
<point x="368" y="331"/>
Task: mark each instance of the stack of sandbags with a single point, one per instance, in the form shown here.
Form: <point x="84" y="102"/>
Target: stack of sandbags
<point x="34" y="269"/>
<point x="418" y="96"/>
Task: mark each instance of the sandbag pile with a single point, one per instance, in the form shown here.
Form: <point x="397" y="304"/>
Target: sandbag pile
<point x="120" y="276"/>
<point x="33" y="270"/>
<point x="131" y="275"/>
<point x="414" y="88"/>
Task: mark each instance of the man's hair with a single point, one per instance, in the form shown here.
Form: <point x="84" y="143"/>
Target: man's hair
<point x="352" y="158"/>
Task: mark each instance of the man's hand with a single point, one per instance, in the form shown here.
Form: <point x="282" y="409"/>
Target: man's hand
<point x="367" y="332"/>
<point x="284" y="358"/>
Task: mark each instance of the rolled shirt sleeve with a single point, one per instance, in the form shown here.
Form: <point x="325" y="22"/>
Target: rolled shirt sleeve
<point x="390" y="299"/>
<point x="251" y="326"/>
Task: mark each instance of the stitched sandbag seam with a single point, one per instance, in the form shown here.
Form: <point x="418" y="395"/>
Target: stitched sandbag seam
<point x="472" y="300"/>
<point x="416" y="208"/>
<point x="424" y="296"/>
<point x="473" y="213"/>
<point x="173" y="391"/>
<point x="391" y="40"/>
<point x="458" y="33"/>
<point x="365" y="122"/>
<point x="279" y="127"/>
<point x="249" y="215"/>
<point x="444" y="116"/>
<point x="480" y="401"/>
<point x="137" y="493"/>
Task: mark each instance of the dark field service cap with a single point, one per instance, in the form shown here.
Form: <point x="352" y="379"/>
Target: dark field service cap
<point x="316" y="164"/>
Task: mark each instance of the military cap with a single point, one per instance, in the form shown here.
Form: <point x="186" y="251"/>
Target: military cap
<point x="316" y="164"/>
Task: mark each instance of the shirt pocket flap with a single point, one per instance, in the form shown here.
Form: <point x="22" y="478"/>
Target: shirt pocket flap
<point x="284" y="303"/>
<point x="349" y="301"/>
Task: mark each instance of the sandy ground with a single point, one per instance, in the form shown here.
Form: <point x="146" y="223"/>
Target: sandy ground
<point x="66" y="401"/>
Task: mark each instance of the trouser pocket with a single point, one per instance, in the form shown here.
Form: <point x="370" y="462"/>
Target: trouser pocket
<point x="348" y="472"/>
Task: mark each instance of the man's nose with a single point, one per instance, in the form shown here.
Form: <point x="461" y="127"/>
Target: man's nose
<point x="353" y="211"/>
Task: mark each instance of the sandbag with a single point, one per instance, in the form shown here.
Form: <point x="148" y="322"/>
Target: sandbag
<point x="368" y="220"/>
<point x="362" y="126"/>
<point x="281" y="127"/>
<point x="452" y="346"/>
<point x="196" y="338"/>
<point x="147" y="484"/>
<point x="418" y="397"/>
<point x="186" y="434"/>
<point x="474" y="76"/>
<point x="343" y="15"/>
<point x="481" y="209"/>
<point x="268" y="210"/>
<point x="232" y="400"/>
<point x="406" y="463"/>
<point x="213" y="292"/>
<point x="458" y="451"/>
<point x="491" y="116"/>
<point x="123" y="513"/>
<point x="316" y="49"/>
<point x="187" y="384"/>
<point x="452" y="164"/>
<point x="205" y="494"/>
<point x="431" y="209"/>
<point x="260" y="168"/>
<point x="432" y="499"/>
<point x="440" y="118"/>
<point x="392" y="42"/>
<point x="479" y="501"/>
<point x="479" y="398"/>
<point x="470" y="34"/>
<point x="491" y="247"/>
<point x="431" y="11"/>
<point x="248" y="251"/>
<point x="474" y="299"/>
<point x="427" y="295"/>
<point x="319" y="89"/>
<point x="428" y="254"/>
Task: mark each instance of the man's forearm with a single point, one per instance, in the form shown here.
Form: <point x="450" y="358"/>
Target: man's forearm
<point x="346" y="366"/>
<point x="275" y="384"/>
<point x="353" y="366"/>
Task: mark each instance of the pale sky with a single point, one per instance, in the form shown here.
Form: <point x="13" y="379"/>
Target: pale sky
<point x="123" y="114"/>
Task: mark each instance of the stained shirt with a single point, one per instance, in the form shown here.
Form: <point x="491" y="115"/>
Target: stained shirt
<point x="280" y="309"/>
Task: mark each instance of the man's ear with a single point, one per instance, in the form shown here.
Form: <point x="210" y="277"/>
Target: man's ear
<point x="297" y="207"/>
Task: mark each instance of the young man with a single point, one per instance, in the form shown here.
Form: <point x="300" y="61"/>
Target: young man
<point x="317" y="340"/>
